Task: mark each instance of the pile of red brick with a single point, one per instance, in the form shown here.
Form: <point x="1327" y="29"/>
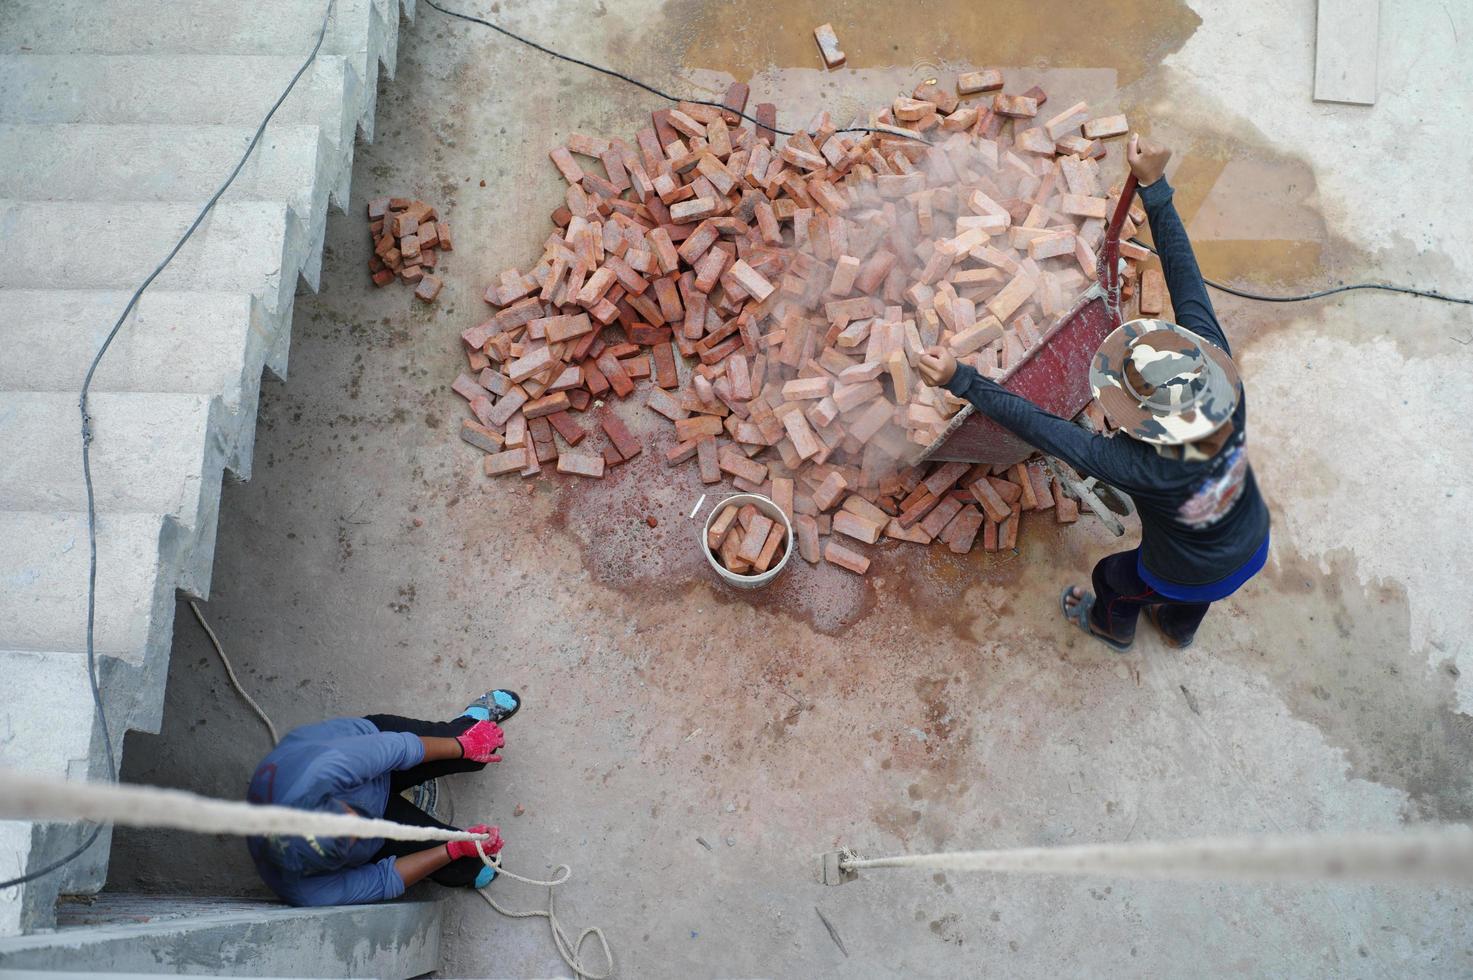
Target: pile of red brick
<point x="802" y="281"/>
<point x="407" y="239"/>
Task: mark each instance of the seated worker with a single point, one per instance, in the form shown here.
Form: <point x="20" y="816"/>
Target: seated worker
<point x="360" y="766"/>
<point x="1172" y="390"/>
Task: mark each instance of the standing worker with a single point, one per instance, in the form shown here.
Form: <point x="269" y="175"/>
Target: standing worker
<point x="360" y="766"/>
<point x="1173" y="391"/>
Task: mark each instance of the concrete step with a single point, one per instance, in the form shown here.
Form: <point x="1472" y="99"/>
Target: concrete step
<point x="247" y="246"/>
<point x="152" y="453"/>
<point x="82" y="162"/>
<point x="173" y="342"/>
<point x="157" y="163"/>
<point x="272" y="27"/>
<point x="225" y="90"/>
<point x="168" y="89"/>
<point x="363" y="32"/>
<point x="43" y="604"/>
<point x="138" y="934"/>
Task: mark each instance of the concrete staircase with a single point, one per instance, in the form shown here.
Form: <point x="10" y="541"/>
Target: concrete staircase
<point x="117" y="121"/>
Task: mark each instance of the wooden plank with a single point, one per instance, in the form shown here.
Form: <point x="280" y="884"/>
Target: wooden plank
<point x="1347" y="40"/>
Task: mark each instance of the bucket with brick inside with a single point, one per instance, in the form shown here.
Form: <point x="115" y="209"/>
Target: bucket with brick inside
<point x="748" y="549"/>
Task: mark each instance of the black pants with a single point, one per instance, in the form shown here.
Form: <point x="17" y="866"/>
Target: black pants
<point x="1121" y="594"/>
<point x="460" y="873"/>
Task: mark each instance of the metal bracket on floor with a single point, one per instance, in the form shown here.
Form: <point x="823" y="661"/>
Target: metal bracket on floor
<point x="831" y="867"/>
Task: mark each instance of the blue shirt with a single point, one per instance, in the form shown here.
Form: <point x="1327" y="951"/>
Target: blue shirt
<point x="321" y="767"/>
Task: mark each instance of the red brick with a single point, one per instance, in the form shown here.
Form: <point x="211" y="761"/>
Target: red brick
<point x="679" y="453"/>
<point x="771" y="549"/>
<point x="856" y="527"/>
<point x="807" y="532"/>
<point x="483" y="438"/>
<point x="571" y="432"/>
<point x="992" y="503"/>
<point x="1039" y="478"/>
<point x="581" y="464"/>
<point x="502" y="463"/>
<point x="782" y="494"/>
<point x="706" y="454"/>
<point x="829" y="491"/>
<point x="662" y="355"/>
<point x="546" y="405"/>
<point x="695" y="428"/>
<point x="614" y="372"/>
<point x="725" y="520"/>
<point x="594" y="380"/>
<point x="1018" y="475"/>
<point x="755" y="538"/>
<point x="619" y="434"/>
<point x="733" y="462"/>
<point x="837" y="554"/>
<point x="962" y="530"/>
<point x="1007" y="531"/>
<point x="940" y="516"/>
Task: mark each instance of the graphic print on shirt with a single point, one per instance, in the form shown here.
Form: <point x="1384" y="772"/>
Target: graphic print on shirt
<point x="1218" y="491"/>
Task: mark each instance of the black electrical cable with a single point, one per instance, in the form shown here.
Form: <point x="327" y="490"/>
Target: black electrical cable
<point x="907" y="134"/>
<point x="112" y="764"/>
<point x="1301" y="297"/>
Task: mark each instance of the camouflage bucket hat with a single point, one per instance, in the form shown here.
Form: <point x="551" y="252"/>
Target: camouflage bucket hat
<point x="1163" y="384"/>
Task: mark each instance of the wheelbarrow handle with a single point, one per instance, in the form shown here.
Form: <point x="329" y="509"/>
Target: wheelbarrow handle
<point x="1109" y="263"/>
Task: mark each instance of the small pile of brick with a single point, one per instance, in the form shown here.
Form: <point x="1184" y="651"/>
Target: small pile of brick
<point x="407" y="238"/>
<point x="745" y="540"/>
<point x="803" y="281"/>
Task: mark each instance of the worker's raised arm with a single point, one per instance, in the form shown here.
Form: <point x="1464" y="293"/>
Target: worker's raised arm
<point x="1111" y="460"/>
<point x="1189" y="300"/>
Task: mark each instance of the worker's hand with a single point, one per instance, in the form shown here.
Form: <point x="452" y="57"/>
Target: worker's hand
<point x="479" y="742"/>
<point x="1147" y="159"/>
<point x="937" y="366"/>
<point x="467" y="848"/>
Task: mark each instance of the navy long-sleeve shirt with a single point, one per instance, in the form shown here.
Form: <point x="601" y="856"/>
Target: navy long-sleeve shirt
<point x="321" y="767"/>
<point x="1203" y="522"/>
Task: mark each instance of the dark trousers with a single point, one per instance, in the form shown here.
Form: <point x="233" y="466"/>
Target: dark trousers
<point x="1121" y="594"/>
<point x="460" y="873"/>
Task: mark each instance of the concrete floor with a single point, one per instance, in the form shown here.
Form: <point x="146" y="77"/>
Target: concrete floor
<point x="941" y="703"/>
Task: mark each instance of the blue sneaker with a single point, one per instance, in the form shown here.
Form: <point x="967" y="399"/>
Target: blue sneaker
<point x="487" y="875"/>
<point x="497" y="706"/>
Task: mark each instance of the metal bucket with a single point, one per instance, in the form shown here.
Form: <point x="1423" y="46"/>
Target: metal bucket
<point x="767" y="507"/>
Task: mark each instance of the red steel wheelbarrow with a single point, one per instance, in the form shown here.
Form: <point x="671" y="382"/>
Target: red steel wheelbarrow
<point x="1054" y="374"/>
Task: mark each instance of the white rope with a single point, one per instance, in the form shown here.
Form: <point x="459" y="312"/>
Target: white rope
<point x="571" y="952"/>
<point x="230" y="672"/>
<point x="1428" y="854"/>
<point x="31" y="796"/>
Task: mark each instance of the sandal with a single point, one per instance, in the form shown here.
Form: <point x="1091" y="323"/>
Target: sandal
<point x="1153" y="614"/>
<point x="1080" y="618"/>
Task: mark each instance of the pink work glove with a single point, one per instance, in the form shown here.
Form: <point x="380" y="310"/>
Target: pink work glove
<point x="467" y="848"/>
<point x="479" y="742"/>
